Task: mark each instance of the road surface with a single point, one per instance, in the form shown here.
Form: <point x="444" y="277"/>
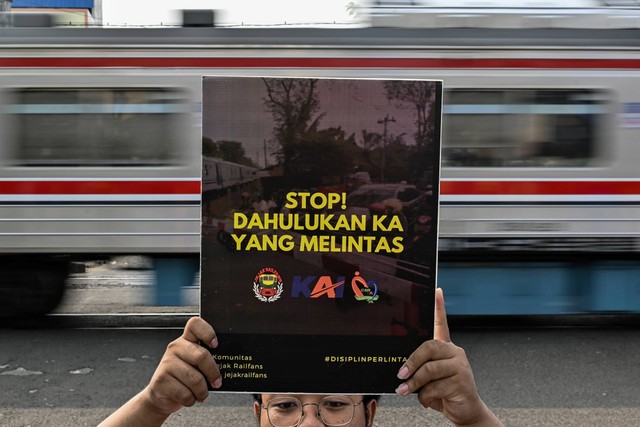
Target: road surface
<point x="76" y="367"/>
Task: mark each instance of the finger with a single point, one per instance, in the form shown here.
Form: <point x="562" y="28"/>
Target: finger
<point x="191" y="378"/>
<point x="435" y="391"/>
<point x="174" y="389"/>
<point x="441" y="331"/>
<point x="428" y="351"/>
<point x="197" y="330"/>
<point x="435" y="404"/>
<point x="198" y="357"/>
<point x="427" y="374"/>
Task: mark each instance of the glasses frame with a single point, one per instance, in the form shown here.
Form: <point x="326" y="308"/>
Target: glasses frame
<point x="318" y="411"/>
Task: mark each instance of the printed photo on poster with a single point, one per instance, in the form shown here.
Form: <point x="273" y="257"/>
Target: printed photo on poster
<point x="319" y="229"/>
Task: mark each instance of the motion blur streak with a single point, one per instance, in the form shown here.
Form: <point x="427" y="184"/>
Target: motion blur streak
<point x="101" y="146"/>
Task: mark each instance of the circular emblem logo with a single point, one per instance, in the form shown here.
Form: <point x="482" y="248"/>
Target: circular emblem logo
<point x="363" y="290"/>
<point x="267" y="285"/>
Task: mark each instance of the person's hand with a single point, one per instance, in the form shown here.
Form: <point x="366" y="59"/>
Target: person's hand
<point x="440" y="372"/>
<point x="181" y="377"/>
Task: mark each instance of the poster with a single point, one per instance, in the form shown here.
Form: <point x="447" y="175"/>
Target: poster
<point x="319" y="229"/>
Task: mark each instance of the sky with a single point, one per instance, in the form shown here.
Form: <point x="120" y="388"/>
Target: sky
<point x="247" y="12"/>
<point x="234" y="110"/>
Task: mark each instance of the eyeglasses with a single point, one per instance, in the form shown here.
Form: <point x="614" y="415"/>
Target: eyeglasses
<point x="334" y="411"/>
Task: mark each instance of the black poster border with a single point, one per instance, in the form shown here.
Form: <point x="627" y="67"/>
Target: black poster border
<point x="345" y="363"/>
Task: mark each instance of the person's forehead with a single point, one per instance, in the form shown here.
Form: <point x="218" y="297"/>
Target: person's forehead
<point x="309" y="397"/>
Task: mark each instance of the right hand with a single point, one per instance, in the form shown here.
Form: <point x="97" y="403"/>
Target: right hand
<point x="440" y="373"/>
<point x="186" y="366"/>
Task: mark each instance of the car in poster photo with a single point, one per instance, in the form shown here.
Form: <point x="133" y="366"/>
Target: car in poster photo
<point x="368" y="196"/>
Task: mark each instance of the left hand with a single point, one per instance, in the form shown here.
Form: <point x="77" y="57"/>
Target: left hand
<point x="441" y="374"/>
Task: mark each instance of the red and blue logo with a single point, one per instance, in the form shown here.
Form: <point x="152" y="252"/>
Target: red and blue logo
<point x="334" y="287"/>
<point x="363" y="290"/>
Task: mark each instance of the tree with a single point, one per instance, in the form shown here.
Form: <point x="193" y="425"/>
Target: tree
<point x="209" y="148"/>
<point x="323" y="153"/>
<point x="421" y="95"/>
<point x="370" y="140"/>
<point x="293" y="103"/>
<point x="231" y="151"/>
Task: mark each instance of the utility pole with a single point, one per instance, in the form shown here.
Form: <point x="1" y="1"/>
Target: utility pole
<point x="384" y="121"/>
<point x="264" y="145"/>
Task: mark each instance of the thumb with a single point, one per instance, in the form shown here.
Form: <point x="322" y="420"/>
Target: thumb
<point x="441" y="330"/>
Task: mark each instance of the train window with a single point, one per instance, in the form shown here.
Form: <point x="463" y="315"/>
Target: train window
<point x="96" y="127"/>
<point x="521" y="128"/>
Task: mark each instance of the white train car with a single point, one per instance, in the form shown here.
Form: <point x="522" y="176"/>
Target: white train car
<point x="218" y="174"/>
<point x="100" y="139"/>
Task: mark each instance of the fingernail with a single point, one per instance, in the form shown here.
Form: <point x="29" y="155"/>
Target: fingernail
<point x="403" y="373"/>
<point x="214" y="342"/>
<point x="402" y="389"/>
<point x="217" y="383"/>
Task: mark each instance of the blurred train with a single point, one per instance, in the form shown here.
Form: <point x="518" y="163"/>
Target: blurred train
<point x="100" y="145"/>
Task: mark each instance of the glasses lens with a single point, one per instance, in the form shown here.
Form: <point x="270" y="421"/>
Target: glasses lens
<point x="336" y="410"/>
<point x="284" y="411"/>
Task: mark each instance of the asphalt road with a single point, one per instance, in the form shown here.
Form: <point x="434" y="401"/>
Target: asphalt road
<point x="57" y="372"/>
<point x="549" y="377"/>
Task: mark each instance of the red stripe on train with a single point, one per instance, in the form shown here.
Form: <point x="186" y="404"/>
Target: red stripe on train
<point x="540" y="63"/>
<point x="539" y="187"/>
<point x="446" y="187"/>
<point x="99" y="187"/>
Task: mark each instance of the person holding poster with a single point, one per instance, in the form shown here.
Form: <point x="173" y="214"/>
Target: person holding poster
<point x="438" y="371"/>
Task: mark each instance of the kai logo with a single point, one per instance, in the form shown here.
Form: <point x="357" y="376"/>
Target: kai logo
<point x="316" y="287"/>
<point x="363" y="290"/>
<point x="329" y="287"/>
<point x="267" y="285"/>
